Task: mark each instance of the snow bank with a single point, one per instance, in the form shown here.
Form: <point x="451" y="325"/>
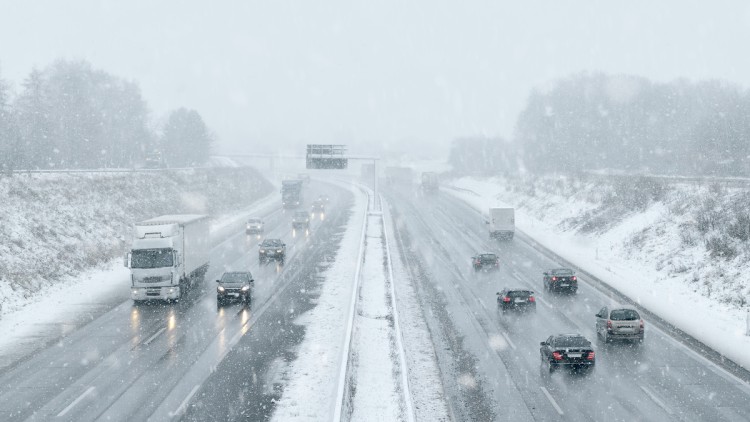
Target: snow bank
<point x="54" y="227"/>
<point x="654" y="251"/>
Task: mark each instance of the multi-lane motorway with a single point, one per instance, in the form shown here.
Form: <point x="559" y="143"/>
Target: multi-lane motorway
<point x="196" y="361"/>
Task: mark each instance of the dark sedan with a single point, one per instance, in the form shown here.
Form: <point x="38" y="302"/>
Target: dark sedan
<point x="572" y="351"/>
<point x="516" y="299"/>
<point x="485" y="262"/>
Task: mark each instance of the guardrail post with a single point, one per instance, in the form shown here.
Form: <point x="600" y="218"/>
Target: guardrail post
<point x="747" y="321"/>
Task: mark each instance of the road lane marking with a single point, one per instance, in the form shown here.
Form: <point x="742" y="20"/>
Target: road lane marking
<point x="507" y="338"/>
<point x="183" y="406"/>
<point x="543" y="302"/>
<point x="76" y="401"/>
<point x="551" y="400"/>
<point x="656" y="400"/>
<point x="156" y="334"/>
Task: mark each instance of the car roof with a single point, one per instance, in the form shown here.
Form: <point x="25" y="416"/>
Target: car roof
<point x="487" y="254"/>
<point x="561" y="271"/>
<point x="237" y="272"/>
<point x="519" y="290"/>
<point x="272" y="241"/>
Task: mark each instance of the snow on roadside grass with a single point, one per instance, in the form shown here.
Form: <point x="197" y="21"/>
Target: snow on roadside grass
<point x="54" y="227"/>
<point x="639" y="254"/>
<point x="313" y="376"/>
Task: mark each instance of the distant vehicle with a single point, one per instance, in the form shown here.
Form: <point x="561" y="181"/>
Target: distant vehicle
<point x="573" y="351"/>
<point x="304" y="177"/>
<point x="291" y="193"/>
<point x="560" y="280"/>
<point x="619" y="323"/>
<point x="234" y="285"/>
<point x="271" y="250"/>
<point x="430" y="182"/>
<point x="254" y="226"/>
<point x="154" y="160"/>
<point x="399" y="176"/>
<point x="502" y="223"/>
<point x="318" y="206"/>
<point x="301" y="220"/>
<point x="485" y="261"/>
<point x="323" y="198"/>
<point x="168" y="256"/>
<point x="516" y="299"/>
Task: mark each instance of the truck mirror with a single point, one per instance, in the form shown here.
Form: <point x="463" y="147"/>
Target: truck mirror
<point x="543" y="343"/>
<point x="486" y="222"/>
<point x="218" y="281"/>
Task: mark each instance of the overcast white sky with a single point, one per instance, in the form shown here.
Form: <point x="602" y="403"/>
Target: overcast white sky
<point x="402" y="74"/>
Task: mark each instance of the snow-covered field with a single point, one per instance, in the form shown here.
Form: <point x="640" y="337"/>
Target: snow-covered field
<point x="54" y="227"/>
<point x="677" y="250"/>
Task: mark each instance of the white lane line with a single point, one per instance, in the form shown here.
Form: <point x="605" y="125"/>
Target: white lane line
<point x="183" y="406"/>
<point x="507" y="338"/>
<point x="543" y="302"/>
<point x="76" y="401"/>
<point x="551" y="400"/>
<point x="156" y="334"/>
<point x="656" y="400"/>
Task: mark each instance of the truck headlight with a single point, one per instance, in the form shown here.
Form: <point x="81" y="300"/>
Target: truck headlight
<point x="134" y="291"/>
<point x="220" y="288"/>
<point x="245" y="288"/>
<point x="278" y="250"/>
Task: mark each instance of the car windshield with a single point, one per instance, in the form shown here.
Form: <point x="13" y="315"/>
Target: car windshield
<point x="488" y="257"/>
<point x="253" y="221"/>
<point x="270" y="243"/>
<point x="300" y="215"/>
<point x="519" y="293"/>
<point x="235" y="277"/>
<point x="571" y="342"/>
<point x="151" y="258"/>
<point x="624" y="315"/>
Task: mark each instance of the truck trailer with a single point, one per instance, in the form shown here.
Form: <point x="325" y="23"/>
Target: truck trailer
<point x="430" y="182"/>
<point x="169" y="255"/>
<point x="502" y="223"/>
<point x="291" y="193"/>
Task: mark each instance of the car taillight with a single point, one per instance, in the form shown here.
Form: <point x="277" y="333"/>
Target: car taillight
<point x="556" y="356"/>
<point x="574" y="278"/>
<point x="591" y="356"/>
<point x="477" y="262"/>
<point x="506" y="299"/>
<point x="554" y="278"/>
<point x="532" y="299"/>
<point x="609" y="324"/>
<point x="642" y="326"/>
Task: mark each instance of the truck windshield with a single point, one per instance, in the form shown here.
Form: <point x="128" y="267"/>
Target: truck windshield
<point x="151" y="258"/>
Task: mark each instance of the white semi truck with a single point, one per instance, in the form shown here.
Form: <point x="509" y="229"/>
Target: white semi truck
<point x="168" y="256"/>
<point x="502" y="223"/>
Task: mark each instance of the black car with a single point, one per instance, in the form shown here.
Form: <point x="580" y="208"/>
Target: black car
<point x="235" y="285"/>
<point x="272" y="250"/>
<point x="560" y="280"/>
<point x="516" y="299"/>
<point x="485" y="261"/>
<point x="572" y="351"/>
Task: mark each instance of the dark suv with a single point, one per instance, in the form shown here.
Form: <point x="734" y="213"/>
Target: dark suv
<point x="572" y="351"/>
<point x="272" y="250"/>
<point x="234" y="285"/>
<point x="485" y="261"/>
<point x="516" y="299"/>
<point x="560" y="280"/>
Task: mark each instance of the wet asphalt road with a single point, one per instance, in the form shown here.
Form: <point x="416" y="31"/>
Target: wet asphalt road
<point x="143" y="362"/>
<point x="490" y="362"/>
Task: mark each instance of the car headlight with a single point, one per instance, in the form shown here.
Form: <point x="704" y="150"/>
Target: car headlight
<point x="262" y="251"/>
<point x="278" y="250"/>
<point x="245" y="288"/>
<point x="220" y="288"/>
<point x="135" y="291"/>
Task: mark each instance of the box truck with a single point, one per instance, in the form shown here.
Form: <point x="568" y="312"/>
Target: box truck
<point x="502" y="223"/>
<point x="168" y="256"/>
